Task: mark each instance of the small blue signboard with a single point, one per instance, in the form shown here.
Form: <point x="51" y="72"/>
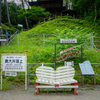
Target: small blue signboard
<point x="86" y="68"/>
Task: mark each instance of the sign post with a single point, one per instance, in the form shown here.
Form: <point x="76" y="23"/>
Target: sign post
<point x="12" y="63"/>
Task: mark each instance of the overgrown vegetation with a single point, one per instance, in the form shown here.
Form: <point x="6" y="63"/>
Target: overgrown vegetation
<point x="31" y="43"/>
<point x="7" y="26"/>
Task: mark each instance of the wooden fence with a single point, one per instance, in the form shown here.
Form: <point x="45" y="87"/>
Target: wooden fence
<point x="97" y="41"/>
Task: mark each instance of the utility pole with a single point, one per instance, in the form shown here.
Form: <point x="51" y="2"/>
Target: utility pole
<point x="0" y="21"/>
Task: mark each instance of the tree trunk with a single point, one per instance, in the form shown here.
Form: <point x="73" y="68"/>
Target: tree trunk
<point x="27" y="4"/>
<point x="5" y="2"/>
<point x="25" y="17"/>
<point x="66" y="7"/>
<point x="85" y="12"/>
<point x="95" y="11"/>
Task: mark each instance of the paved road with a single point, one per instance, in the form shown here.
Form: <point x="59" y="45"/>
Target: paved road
<point x="30" y="95"/>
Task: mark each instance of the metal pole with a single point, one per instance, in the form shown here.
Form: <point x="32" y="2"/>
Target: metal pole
<point x="61" y="14"/>
<point x="28" y="75"/>
<point x="81" y="53"/>
<point x="43" y="40"/>
<point x="49" y="18"/>
<point x="55" y="58"/>
<point x="18" y="41"/>
<point x="94" y="82"/>
<point x="83" y="81"/>
<point x="44" y="20"/>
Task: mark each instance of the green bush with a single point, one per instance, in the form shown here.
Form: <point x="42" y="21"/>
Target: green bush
<point x="11" y="78"/>
<point x="6" y="86"/>
<point x="32" y="82"/>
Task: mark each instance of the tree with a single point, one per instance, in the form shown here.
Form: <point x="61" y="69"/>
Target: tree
<point x="3" y="13"/>
<point x="95" y="11"/>
<point x="34" y="13"/>
<point x="13" y="12"/>
<point x="25" y="16"/>
<point x="5" y="2"/>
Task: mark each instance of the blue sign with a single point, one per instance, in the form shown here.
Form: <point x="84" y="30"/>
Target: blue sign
<point x="86" y="68"/>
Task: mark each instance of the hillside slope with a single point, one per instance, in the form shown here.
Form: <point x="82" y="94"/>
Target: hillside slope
<point x="39" y="44"/>
<point x="61" y="23"/>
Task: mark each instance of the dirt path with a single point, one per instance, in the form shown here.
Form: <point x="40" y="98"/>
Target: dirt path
<point x="30" y="95"/>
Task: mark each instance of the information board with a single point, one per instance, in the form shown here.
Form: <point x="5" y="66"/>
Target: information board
<point x="13" y="62"/>
<point x="86" y="68"/>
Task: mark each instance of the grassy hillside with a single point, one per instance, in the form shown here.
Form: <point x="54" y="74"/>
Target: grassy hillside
<point x="39" y="48"/>
<point x="8" y="26"/>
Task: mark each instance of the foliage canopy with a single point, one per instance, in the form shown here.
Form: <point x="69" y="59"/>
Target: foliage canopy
<point x="34" y="12"/>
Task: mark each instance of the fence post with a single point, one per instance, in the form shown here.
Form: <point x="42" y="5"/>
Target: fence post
<point x="18" y="41"/>
<point x="44" y="20"/>
<point x="39" y="22"/>
<point x="80" y="16"/>
<point x="92" y="40"/>
<point x="43" y="40"/>
<point x="49" y="18"/>
<point x="27" y="74"/>
<point x="73" y="16"/>
<point x="61" y="14"/>
<point x="55" y="16"/>
<point x="67" y="14"/>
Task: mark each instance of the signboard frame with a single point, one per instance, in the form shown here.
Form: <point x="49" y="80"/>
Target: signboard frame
<point x="10" y="57"/>
<point x="67" y="43"/>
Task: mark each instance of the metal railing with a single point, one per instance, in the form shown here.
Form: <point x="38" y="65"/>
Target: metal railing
<point x="45" y="64"/>
<point x="9" y="40"/>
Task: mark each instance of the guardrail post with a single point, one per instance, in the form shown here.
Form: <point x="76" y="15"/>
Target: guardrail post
<point x="27" y="74"/>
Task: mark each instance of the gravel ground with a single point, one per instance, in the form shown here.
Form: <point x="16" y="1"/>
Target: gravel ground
<point x="30" y="95"/>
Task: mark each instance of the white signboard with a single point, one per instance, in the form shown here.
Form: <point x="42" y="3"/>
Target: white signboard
<point x="69" y="63"/>
<point x="20" y="25"/>
<point x="3" y="39"/>
<point x="10" y="73"/>
<point x="68" y="40"/>
<point x="13" y="62"/>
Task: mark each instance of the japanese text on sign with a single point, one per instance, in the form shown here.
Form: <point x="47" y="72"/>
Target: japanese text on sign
<point x="68" y="40"/>
<point x="14" y="63"/>
<point x="3" y="38"/>
<point x="10" y="73"/>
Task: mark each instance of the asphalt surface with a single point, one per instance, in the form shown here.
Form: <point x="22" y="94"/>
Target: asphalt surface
<point x="30" y="95"/>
